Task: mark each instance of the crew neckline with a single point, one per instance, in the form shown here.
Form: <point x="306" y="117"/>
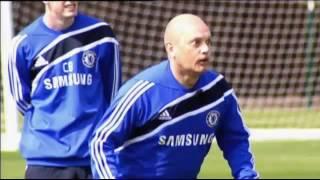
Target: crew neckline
<point x="176" y="83"/>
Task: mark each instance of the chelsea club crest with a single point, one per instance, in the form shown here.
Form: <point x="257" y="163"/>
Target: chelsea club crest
<point x="89" y="58"/>
<point x="212" y="118"/>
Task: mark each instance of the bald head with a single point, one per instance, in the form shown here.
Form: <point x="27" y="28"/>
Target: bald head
<point x="180" y="24"/>
<point x="187" y="42"/>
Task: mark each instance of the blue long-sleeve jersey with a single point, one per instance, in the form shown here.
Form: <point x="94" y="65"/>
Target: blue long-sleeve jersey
<point x="156" y="128"/>
<point x="62" y="82"/>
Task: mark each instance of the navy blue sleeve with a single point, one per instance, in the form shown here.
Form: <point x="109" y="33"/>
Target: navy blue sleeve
<point x="110" y="66"/>
<point x="19" y="78"/>
<point x="233" y="140"/>
<point x="114" y="129"/>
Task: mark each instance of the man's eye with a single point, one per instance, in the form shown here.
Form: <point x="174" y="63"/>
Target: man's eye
<point x="196" y="42"/>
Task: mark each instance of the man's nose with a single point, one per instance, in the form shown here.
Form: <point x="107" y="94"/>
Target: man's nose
<point x="205" y="48"/>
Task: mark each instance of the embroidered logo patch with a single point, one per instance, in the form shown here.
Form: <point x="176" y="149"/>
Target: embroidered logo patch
<point x="89" y="58"/>
<point x="212" y="118"/>
<point x="41" y="62"/>
<point x="165" y="116"/>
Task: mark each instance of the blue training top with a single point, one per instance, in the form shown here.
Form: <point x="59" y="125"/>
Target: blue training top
<point x="62" y="82"/>
<point x="157" y="128"/>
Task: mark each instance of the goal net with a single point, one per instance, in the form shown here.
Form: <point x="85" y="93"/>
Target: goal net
<point x="268" y="50"/>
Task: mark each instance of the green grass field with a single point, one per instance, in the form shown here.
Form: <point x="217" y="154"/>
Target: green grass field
<point x="274" y="159"/>
<point x="283" y="118"/>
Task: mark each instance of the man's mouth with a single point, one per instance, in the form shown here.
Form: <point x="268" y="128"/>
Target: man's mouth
<point x="70" y="6"/>
<point x="204" y="61"/>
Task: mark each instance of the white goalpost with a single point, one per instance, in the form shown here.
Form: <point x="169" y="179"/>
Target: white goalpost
<point x="10" y="135"/>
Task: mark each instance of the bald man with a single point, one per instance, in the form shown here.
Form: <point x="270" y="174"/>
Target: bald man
<point x="162" y="122"/>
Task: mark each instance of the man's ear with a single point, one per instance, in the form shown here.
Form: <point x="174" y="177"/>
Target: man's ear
<point x="170" y="50"/>
<point x="168" y="46"/>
